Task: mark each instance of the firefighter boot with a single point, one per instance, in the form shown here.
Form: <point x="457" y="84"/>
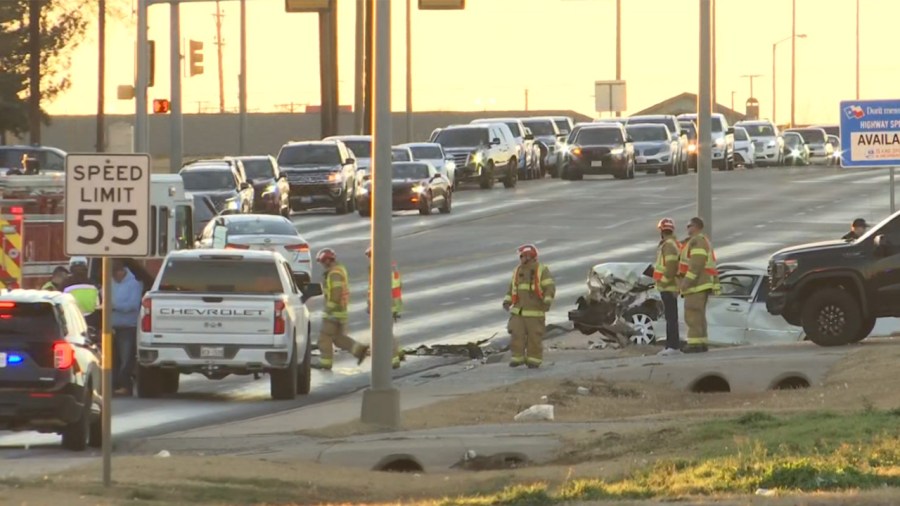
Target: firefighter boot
<point x="323" y="364"/>
<point x="360" y="351"/>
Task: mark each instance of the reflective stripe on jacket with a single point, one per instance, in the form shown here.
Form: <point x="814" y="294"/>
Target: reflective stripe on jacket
<point x="86" y="296"/>
<point x="698" y="266"/>
<point x="337" y="293"/>
<point x="666" y="268"/>
<point x="531" y="290"/>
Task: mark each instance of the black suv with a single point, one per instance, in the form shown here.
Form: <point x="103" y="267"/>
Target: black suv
<point x="270" y="186"/>
<point x="224" y="181"/>
<point x="49" y="368"/>
<point x="321" y="174"/>
<point x="836" y="290"/>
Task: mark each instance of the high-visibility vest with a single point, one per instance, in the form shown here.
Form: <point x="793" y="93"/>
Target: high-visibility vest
<point x="708" y="278"/>
<point x="396" y="290"/>
<point x="537" y="286"/>
<point x="534" y="285"/>
<point x="666" y="253"/>
<point x="86" y="296"/>
<point x="336" y="278"/>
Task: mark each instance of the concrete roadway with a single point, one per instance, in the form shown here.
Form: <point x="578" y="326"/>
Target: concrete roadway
<point x="456" y="267"/>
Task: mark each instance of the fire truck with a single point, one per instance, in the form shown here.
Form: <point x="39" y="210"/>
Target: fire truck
<point x="32" y="231"/>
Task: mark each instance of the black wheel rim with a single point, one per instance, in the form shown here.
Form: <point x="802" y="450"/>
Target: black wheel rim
<point x="832" y="320"/>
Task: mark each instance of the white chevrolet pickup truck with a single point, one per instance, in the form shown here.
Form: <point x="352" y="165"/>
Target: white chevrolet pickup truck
<point x="223" y="312"/>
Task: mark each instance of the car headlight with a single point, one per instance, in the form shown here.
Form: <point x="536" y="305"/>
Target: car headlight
<point x="720" y="142"/>
<point x="418" y="188"/>
<point x="692" y="148"/>
<point x="665" y="148"/>
<point x="475" y="157"/>
<point x="771" y="144"/>
<point x="335" y="177"/>
<point x="616" y="151"/>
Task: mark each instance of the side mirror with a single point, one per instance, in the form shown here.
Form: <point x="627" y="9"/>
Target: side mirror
<point x="349" y="161"/>
<point x="244" y="185"/>
<point x="282" y="177"/>
<point x="529" y="137"/>
<point x="730" y="131"/>
<point x="310" y="290"/>
<point x="495" y="141"/>
<point x="629" y="139"/>
<point x="220" y="237"/>
<point x="882" y="245"/>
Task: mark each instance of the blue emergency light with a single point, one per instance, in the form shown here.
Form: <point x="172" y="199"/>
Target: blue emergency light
<point x="14" y="358"/>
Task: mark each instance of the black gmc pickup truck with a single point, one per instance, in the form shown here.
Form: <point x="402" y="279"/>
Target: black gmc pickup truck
<point x="836" y="290"/>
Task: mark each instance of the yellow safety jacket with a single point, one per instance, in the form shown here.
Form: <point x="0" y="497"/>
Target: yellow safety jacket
<point x="531" y="290"/>
<point x="337" y="293"/>
<point x="698" y="266"/>
<point x="396" y="290"/>
<point x="666" y="268"/>
<point x="87" y="297"/>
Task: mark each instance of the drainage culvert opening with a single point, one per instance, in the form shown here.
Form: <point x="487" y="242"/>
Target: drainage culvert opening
<point x="710" y="384"/>
<point x="792" y="382"/>
<point x="399" y="464"/>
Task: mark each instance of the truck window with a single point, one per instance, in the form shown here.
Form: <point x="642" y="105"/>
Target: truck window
<point x="214" y="275"/>
<point x="163" y="228"/>
<point x="153" y="230"/>
<point x="184" y="224"/>
<point x="34" y="321"/>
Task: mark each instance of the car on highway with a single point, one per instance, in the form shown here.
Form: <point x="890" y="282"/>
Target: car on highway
<point x="597" y="149"/>
<point x="360" y="147"/>
<point x="49" y="368"/>
<point x="744" y="148"/>
<point x="817" y="140"/>
<point x="527" y="153"/>
<point x="401" y="154"/>
<point x="223" y="182"/>
<point x="272" y="192"/>
<point x="675" y="131"/>
<point x="768" y="144"/>
<point x="547" y="138"/>
<point x="834" y="130"/>
<point x="321" y="174"/>
<point x="49" y="159"/>
<point x="690" y="130"/>
<point x="416" y="186"/>
<point x="836" y="153"/>
<point x="655" y="148"/>
<point x="796" y="151"/>
<point x="433" y="153"/>
<point x="224" y="312"/>
<point x="485" y="153"/>
<point x="723" y="140"/>
<point x="259" y="232"/>
<point x="563" y="123"/>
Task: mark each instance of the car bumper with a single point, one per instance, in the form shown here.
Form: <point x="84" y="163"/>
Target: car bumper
<point x="399" y="202"/>
<point x="657" y="161"/>
<point x="187" y="358"/>
<point x="606" y="165"/>
<point x="767" y="154"/>
<point x="468" y="172"/>
<point x="21" y="410"/>
<point x="318" y="195"/>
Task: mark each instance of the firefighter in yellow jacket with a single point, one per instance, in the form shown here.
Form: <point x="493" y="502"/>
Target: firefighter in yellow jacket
<point x="665" y="274"/>
<point x="334" y="319"/>
<point x="698" y="277"/>
<point x="396" y="303"/>
<point x="528" y="299"/>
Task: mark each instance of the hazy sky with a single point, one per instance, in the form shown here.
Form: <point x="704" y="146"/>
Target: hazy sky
<point x="489" y="54"/>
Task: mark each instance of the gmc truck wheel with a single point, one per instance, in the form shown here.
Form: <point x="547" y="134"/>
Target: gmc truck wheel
<point x="283" y="382"/>
<point x="831" y="317"/>
<point x="149" y="382"/>
<point x="864" y="330"/>
<point x="304" y="376"/>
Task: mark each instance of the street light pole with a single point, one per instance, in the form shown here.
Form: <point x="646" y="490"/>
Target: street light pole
<point x="618" y="47"/>
<point x="409" y="118"/>
<point x="774" y="46"/>
<point x="704" y="119"/>
<point x="857" y="49"/>
<point x="141" y="130"/>
<point x="793" y="61"/>
<point x="751" y="77"/>
<point x="242" y="83"/>
<point x="177" y="121"/>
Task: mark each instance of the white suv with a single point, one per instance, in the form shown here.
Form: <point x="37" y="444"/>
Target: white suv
<point x="767" y="141"/>
<point x="723" y="140"/>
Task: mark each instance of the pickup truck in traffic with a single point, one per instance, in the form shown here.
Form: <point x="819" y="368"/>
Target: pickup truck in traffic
<point x="223" y="312"/>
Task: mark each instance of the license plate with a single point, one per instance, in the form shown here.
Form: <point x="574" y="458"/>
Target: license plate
<point x="306" y="200"/>
<point x="212" y="352"/>
<point x="597" y="164"/>
<point x="640" y="159"/>
<point x="2" y="359"/>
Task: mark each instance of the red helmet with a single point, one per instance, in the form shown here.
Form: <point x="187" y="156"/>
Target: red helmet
<point x="326" y="255"/>
<point x="369" y="252"/>
<point x="666" y="224"/>
<point x="528" y="250"/>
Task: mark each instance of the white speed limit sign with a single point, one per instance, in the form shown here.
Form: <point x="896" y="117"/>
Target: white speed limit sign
<point x="108" y="205"/>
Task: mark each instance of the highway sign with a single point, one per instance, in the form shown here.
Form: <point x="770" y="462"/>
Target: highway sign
<point x="108" y="205"/>
<point x="870" y="133"/>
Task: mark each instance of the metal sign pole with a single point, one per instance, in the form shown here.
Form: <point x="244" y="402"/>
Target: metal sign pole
<point x="893" y="208"/>
<point x="177" y="119"/>
<point x="704" y="120"/>
<point x="106" y="385"/>
<point x="141" y="121"/>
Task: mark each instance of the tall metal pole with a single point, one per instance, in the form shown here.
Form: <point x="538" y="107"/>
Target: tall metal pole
<point x="409" y="117"/>
<point x="141" y="126"/>
<point x="715" y="69"/>
<point x="219" y="44"/>
<point x="177" y="121"/>
<point x="704" y="117"/>
<point x="106" y="367"/>
<point x="359" y="68"/>
<point x="381" y="403"/>
<point x="242" y="83"/>
<point x="34" y="71"/>
<point x="893" y="207"/>
<point x="774" y="119"/>
<point x="793" y="60"/>
<point x="857" y="54"/>
<point x="101" y="76"/>
<point x="618" y="47"/>
<point x="370" y="28"/>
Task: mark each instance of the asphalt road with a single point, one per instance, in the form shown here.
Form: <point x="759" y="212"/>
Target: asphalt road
<point x="456" y="267"/>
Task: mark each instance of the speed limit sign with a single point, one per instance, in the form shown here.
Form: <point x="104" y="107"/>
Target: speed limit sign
<point x="108" y="205"/>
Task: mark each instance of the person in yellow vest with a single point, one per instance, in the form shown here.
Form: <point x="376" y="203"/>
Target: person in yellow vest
<point x="334" y="319"/>
<point x="86" y="294"/>
<point x="528" y="299"/>
<point x="665" y="274"/>
<point x="698" y="277"/>
<point x="396" y="302"/>
<point x="58" y="280"/>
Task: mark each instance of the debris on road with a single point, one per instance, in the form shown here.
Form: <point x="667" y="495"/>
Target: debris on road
<point x="163" y="454"/>
<point x="535" y="413"/>
<point x="471" y="461"/>
<point x="583" y="391"/>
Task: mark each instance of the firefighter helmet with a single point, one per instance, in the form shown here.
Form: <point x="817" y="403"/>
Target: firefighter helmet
<point x="326" y="255"/>
<point x="528" y="250"/>
<point x="666" y="224"/>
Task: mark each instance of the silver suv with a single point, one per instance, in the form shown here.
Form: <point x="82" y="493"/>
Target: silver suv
<point x="485" y="153"/>
<point x="527" y="153"/>
<point x="768" y="144"/>
<point x="723" y="140"/>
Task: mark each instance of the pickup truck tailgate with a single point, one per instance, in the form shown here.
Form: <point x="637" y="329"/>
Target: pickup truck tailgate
<point x="202" y="319"/>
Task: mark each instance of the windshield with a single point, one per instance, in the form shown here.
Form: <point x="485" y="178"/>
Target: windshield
<point x="543" y="128"/>
<point x="31" y="320"/>
<point x="260" y="227"/>
<point x="309" y="154"/>
<point x="563" y="125"/>
<point x="258" y="169"/>
<point x="740" y="134"/>
<point x="647" y="133"/>
<point x="361" y="149"/>
<point x="206" y="275"/>
<point x="462" y="137"/>
<point x="792" y="139"/>
<point x="654" y="121"/>
<point x="717" y="125"/>
<point x="427" y="152"/>
<point x="759" y="130"/>
<point x="411" y="171"/>
<point x="514" y="128"/>
<point x="400" y="155"/>
<point x="812" y="136"/>
<point x="208" y="180"/>
<point x="592" y="136"/>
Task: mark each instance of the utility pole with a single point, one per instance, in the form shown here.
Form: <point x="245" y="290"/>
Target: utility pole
<point x="793" y="61"/>
<point x="704" y="117"/>
<point x="409" y="118"/>
<point x="732" y="100"/>
<point x="857" y="49"/>
<point x="369" y="103"/>
<point x="176" y="148"/>
<point x="526" y="99"/>
<point x="715" y="69"/>
<point x="141" y="130"/>
<point x="751" y="77"/>
<point x="219" y="43"/>
<point x="101" y="76"/>
<point x="359" y="68"/>
<point x="242" y="83"/>
<point x="618" y="50"/>
<point x="328" y="70"/>
<point x="34" y="71"/>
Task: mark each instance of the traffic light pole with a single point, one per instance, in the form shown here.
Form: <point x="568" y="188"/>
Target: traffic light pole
<point x="176" y="147"/>
<point x="141" y="126"/>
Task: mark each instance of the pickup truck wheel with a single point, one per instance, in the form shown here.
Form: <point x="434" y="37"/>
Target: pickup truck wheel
<point x="831" y="317"/>
<point x="75" y="435"/>
<point x="169" y="381"/>
<point x="425" y="205"/>
<point x="304" y="376"/>
<point x="149" y="382"/>
<point x="447" y="206"/>
<point x="283" y="382"/>
<point x="512" y="177"/>
<point x="486" y="182"/>
<point x="864" y="330"/>
<point x="342" y="207"/>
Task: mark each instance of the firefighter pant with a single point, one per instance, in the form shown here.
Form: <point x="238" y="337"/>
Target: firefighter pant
<point x="670" y="304"/>
<point x="333" y="334"/>
<point x="695" y="317"/>
<point x="527" y="339"/>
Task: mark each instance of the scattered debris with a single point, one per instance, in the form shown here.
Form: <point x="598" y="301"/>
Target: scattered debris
<point x="583" y="391"/>
<point x="471" y="461"/>
<point x="163" y="454"/>
<point x="544" y="399"/>
<point x="765" y="492"/>
<point x="535" y="413"/>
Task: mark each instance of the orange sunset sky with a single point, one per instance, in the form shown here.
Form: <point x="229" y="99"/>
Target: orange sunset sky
<point x="486" y="56"/>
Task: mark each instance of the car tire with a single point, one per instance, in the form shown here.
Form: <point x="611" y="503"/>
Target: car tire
<point x="342" y="206"/>
<point x="283" y="382"/>
<point x="555" y="170"/>
<point x="511" y="179"/>
<point x="631" y="171"/>
<point x="365" y="213"/>
<point x="672" y="170"/>
<point x="304" y="375"/>
<point x="426" y="205"/>
<point x="580" y="305"/>
<point x="286" y="212"/>
<point x="867" y="326"/>
<point x="642" y="321"/>
<point x="486" y="181"/>
<point x="149" y="382"/>
<point x="75" y="435"/>
<point x="169" y="382"/>
<point x="842" y="315"/>
<point x="447" y="206"/>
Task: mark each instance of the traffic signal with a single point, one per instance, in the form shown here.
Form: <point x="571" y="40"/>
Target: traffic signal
<point x="160" y="106"/>
<point x="196" y="57"/>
